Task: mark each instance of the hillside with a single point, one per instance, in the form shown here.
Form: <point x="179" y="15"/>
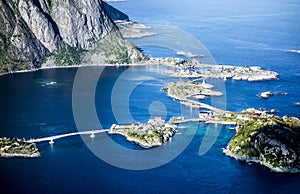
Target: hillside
<point x="271" y="141"/>
<point x="63" y="32"/>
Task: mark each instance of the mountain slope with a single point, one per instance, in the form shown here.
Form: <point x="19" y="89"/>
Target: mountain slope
<point x="34" y="29"/>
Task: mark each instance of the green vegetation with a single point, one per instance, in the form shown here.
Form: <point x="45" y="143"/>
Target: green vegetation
<point x="146" y="138"/>
<point x="51" y="4"/>
<point x="7" y="59"/>
<point x="273" y="141"/>
<point x="68" y="56"/>
<point x="123" y="58"/>
<point x="154" y="133"/>
<point x="244" y="137"/>
<point x="115" y="49"/>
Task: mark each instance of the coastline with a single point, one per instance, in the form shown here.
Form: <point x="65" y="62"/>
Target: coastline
<point x="35" y="155"/>
<point x="154" y="133"/>
<point x="17" y="147"/>
<point x="247" y="159"/>
<point x="257" y="74"/>
<point x="76" y="66"/>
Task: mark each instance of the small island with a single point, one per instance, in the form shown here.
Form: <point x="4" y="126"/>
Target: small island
<point x="268" y="140"/>
<point x="191" y="89"/>
<point x="154" y="133"/>
<point x="194" y="69"/>
<point x="16" y="147"/>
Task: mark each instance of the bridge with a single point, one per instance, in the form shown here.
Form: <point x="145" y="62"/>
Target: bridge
<point x="195" y="104"/>
<point x="52" y="138"/>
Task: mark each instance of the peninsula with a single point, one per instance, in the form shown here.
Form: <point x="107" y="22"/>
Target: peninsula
<point x="268" y="140"/>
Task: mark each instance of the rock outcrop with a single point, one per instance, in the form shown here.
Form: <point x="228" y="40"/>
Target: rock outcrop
<point x="19" y="46"/>
<point x="114" y="13"/>
<point x="33" y="29"/>
<point x="270" y="141"/>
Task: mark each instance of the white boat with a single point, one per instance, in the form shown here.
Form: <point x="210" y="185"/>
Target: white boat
<point x="51" y="83"/>
<point x="265" y="94"/>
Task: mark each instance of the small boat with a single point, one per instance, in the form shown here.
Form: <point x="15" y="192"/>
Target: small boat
<point x="294" y="51"/>
<point x="265" y="95"/>
<point x="51" y="83"/>
<point x="297" y="103"/>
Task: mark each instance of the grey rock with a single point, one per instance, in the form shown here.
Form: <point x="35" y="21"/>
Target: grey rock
<point x="33" y="29"/>
<point x="273" y="142"/>
<point x="81" y="23"/>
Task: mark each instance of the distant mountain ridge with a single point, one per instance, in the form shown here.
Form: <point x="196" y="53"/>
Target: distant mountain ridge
<point x="34" y="29"/>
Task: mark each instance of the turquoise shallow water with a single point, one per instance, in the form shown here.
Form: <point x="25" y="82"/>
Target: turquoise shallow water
<point x="235" y="32"/>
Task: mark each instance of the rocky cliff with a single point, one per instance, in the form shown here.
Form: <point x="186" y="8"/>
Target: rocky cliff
<point x="114" y="13"/>
<point x="33" y="29"/>
<point x="270" y="141"/>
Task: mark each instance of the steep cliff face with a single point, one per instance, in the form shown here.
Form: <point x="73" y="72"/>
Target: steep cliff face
<point x="18" y="44"/>
<point x="33" y="29"/>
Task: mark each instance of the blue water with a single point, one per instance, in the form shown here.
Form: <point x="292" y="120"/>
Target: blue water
<point x="235" y="32"/>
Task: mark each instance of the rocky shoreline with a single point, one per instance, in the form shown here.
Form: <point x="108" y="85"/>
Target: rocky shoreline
<point x="268" y="140"/>
<point x="16" y="147"/>
<point x="130" y="29"/>
<point x="194" y="69"/>
<point x="154" y="133"/>
<point x="179" y="68"/>
<point x="190" y="89"/>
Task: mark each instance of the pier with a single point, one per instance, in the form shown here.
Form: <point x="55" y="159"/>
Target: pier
<point x="52" y="138"/>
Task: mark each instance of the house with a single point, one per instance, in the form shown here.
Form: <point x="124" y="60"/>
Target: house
<point x="255" y="115"/>
<point x="204" y="114"/>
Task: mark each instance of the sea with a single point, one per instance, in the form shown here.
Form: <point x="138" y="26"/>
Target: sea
<point x="235" y="32"/>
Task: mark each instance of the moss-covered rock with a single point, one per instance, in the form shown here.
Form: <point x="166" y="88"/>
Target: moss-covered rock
<point x="270" y="141"/>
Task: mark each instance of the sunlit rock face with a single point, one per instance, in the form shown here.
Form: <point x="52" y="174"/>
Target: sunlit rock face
<point x="32" y="29"/>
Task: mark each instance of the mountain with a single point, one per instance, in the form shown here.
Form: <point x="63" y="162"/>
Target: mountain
<point x="63" y="32"/>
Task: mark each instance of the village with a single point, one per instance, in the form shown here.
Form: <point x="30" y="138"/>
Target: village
<point x="195" y="69"/>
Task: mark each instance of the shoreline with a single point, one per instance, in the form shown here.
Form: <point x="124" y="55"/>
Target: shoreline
<point x="257" y="75"/>
<point x="35" y="155"/>
<point x="77" y="66"/>
<point x="247" y="159"/>
<point x="154" y="133"/>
